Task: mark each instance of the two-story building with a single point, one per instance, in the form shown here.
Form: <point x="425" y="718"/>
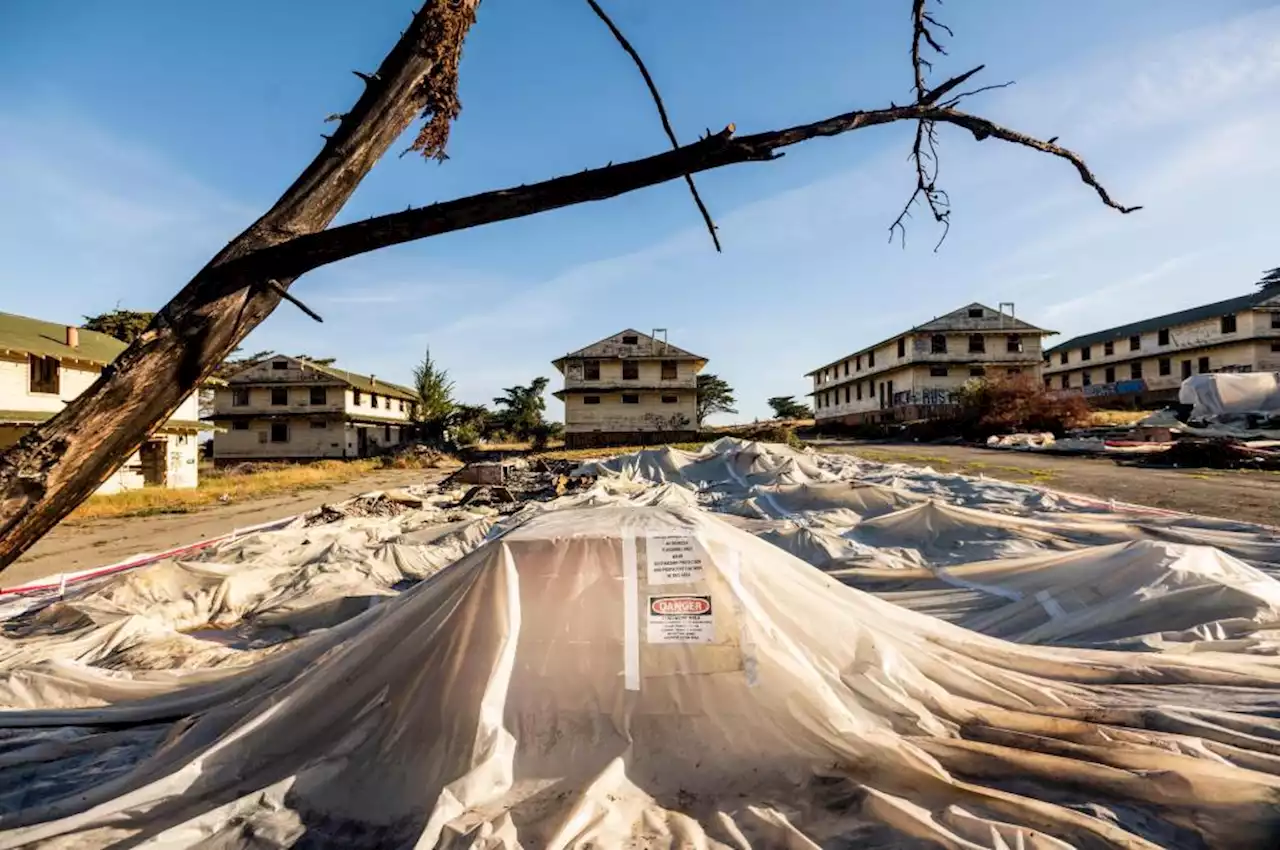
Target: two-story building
<point x="287" y="408"/>
<point x="44" y="365"/>
<point x="918" y="373"/>
<point x="1144" y="363"/>
<point x="629" y="389"/>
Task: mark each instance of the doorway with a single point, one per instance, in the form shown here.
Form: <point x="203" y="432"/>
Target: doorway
<point x="362" y="442"/>
<point x="154" y="457"/>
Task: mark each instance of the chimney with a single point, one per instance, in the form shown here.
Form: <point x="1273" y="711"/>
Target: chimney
<point x="73" y="337"/>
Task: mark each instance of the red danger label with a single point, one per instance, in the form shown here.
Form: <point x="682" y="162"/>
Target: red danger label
<point x="668" y="605"/>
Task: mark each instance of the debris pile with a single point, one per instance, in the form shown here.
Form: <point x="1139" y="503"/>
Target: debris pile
<point x="1214" y="453"/>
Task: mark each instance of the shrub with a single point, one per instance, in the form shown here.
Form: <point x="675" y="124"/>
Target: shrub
<point x="1018" y="403"/>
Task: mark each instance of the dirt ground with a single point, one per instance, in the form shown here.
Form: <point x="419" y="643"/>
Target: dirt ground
<point x="1249" y="496"/>
<point x="94" y="543"/>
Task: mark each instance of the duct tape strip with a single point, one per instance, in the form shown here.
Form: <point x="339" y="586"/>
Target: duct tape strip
<point x="745" y="642"/>
<point x="630" y="614"/>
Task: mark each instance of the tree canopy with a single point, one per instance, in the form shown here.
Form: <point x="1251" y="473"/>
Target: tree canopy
<point x="786" y="407"/>
<point x="435" y="399"/>
<point x="124" y="325"/>
<point x="521" y="408"/>
<point x="714" y="396"/>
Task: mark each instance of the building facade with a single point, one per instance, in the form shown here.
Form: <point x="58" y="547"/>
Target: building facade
<point x="44" y="365"/>
<point x="1144" y="363"/>
<point x="286" y="408"/>
<point x="629" y="389"/>
<point x="919" y="373"/>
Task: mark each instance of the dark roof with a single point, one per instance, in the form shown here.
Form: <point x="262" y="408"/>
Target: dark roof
<point x="49" y="339"/>
<point x="1270" y="296"/>
<point x="607" y="348"/>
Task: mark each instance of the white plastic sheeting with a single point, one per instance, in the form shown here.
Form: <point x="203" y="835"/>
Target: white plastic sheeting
<point x="628" y="668"/>
<point x="1231" y="393"/>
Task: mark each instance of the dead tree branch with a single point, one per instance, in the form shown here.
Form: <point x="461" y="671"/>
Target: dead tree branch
<point x="662" y="113"/>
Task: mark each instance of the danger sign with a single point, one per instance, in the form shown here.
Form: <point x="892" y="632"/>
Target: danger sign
<point x="681" y="619"/>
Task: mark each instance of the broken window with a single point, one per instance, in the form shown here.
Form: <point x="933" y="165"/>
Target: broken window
<point x="1229" y="323"/>
<point x="937" y="371"/>
<point x="239" y="396"/>
<point x="319" y="424"/>
<point x="355" y="397"/>
<point x="1162" y="336"/>
<point x="630" y="370"/>
<point x="1066" y="381"/>
<point x="1275" y="346"/>
<point x="1014" y="344"/>
<point x="1086" y="379"/>
<point x="279" y="395"/>
<point x="1135" y="342"/>
<point x="1108" y="349"/>
<point x="631" y="339"/>
<point x="975" y="313"/>
<point x="591" y="370"/>
<point x="319" y="395"/>
<point x="669" y="370"/>
<point x="1203" y="365"/>
<point x="279" y="432"/>
<point x="45" y="375"/>
<point x="848" y="394"/>
<point x="670" y="399"/>
<point x="591" y="399"/>
<point x="938" y="344"/>
<point x="1186" y="368"/>
<point x="1048" y="382"/>
<point x="1013" y="370"/>
<point x="1166" y="366"/>
<point x="1275" y="321"/>
<point x="902" y="347"/>
<point x="977" y="344"/>
<point x="977" y="372"/>
<point x="373" y="400"/>
<point x="279" y="364"/>
<point x="1135" y="369"/>
<point x="240" y="426"/>
<point x="631" y="399"/>
<point x="1086" y="353"/>
<point x="1062" y="358"/>
<point x="859" y="389"/>
<point x="846" y="368"/>
<point x="1110" y="375"/>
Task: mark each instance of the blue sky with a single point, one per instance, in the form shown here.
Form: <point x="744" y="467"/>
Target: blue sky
<point x="137" y="136"/>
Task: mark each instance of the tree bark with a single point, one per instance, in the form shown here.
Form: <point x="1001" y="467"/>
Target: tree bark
<point x="60" y="463"/>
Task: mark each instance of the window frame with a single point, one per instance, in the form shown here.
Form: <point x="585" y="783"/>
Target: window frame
<point x="633" y="368"/>
<point x="280" y="392"/>
<point x="321" y="393"/>
<point x="44" y="375"/>
<point x="284" y="426"/>
<point x="630" y="398"/>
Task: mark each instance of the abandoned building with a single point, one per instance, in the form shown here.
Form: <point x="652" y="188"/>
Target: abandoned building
<point x="287" y="408"/>
<point x="1144" y="363"/>
<point x="918" y="373"/>
<point x="629" y="389"/>
<point x="44" y="365"/>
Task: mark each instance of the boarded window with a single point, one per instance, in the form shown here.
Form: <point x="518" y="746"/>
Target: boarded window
<point x="279" y="364"/>
<point x="938" y="344"/>
<point x="670" y="399"/>
<point x="591" y="399"/>
<point x="1135" y="342"/>
<point x="1135" y="369"/>
<point x="631" y="399"/>
<point x="319" y="395"/>
<point x="1229" y="323"/>
<point x="859" y="388"/>
<point x="1166" y="366"/>
<point x="239" y="396"/>
<point x="591" y="370"/>
<point x="1066" y="381"/>
<point x="45" y="375"/>
<point x="279" y="395"/>
<point x="1108" y="349"/>
<point x="977" y="372"/>
<point x="1086" y="379"/>
<point x="669" y="370"/>
<point x="631" y="339"/>
<point x="1162" y="336"/>
<point x="902" y="347"/>
<point x="318" y="424"/>
<point x="846" y="368"/>
<point x="937" y="371"/>
<point x="279" y="432"/>
<point x="1014" y="344"/>
<point x="977" y="344"/>
<point x="240" y="426"/>
<point x="630" y="370"/>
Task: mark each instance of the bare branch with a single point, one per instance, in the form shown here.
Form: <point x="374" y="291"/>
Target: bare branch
<point x="284" y="293"/>
<point x="662" y="113"/>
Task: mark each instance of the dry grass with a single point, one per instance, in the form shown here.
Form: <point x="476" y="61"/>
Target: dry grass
<point x="218" y="487"/>
<point x="1116" y="418"/>
<point x="611" y="451"/>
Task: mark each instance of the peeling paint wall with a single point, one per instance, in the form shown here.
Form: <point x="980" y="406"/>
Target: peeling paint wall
<point x="649" y="414"/>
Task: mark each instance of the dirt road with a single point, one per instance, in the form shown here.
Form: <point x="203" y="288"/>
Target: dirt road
<point x="1248" y="496"/>
<point x="97" y="542"/>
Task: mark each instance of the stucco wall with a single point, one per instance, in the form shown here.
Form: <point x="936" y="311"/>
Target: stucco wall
<point x="1252" y="355"/>
<point x="649" y="374"/>
<point x="304" y="441"/>
<point x="650" y="414"/>
<point x="15" y="381"/>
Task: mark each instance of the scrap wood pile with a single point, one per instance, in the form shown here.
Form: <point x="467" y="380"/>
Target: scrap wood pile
<point x="1213" y="453"/>
<point x="748" y="646"/>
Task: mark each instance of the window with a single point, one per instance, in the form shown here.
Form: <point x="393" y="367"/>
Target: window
<point x="630" y="370"/>
<point x="240" y="426"/>
<point x="1166" y="366"/>
<point x="938" y="344"/>
<point x="977" y="372"/>
<point x="1086" y="353"/>
<point x="279" y="365"/>
<point x="1275" y="321"/>
<point x="631" y="399"/>
<point x="1229" y="323"/>
<point x="319" y="395"/>
<point x="669" y="370"/>
<point x="1135" y="369"/>
<point x="858" y="387"/>
<point x="871" y="359"/>
<point x="902" y="347"/>
<point x="355" y="397"/>
<point x="279" y="432"/>
<point x="373" y="400"/>
<point x="847" y="393"/>
<point x="1062" y="358"/>
<point x="977" y="344"/>
<point x="1086" y="379"/>
<point x="1162" y="336"/>
<point x="631" y="339"/>
<point x="279" y="395"/>
<point x="1135" y="342"/>
<point x="1014" y="344"/>
<point x="1110" y="375"/>
<point x="239" y="396"/>
<point x="1275" y="346"/>
<point x="591" y="370"/>
<point x="45" y="375"/>
<point x="1065" y="381"/>
<point x="857" y="363"/>
<point x="975" y="313"/>
<point x="670" y="399"/>
<point x="1186" y="368"/>
<point x="319" y="424"/>
<point x="1203" y="365"/>
<point x="591" y="399"/>
<point x="1108" y="349"/>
